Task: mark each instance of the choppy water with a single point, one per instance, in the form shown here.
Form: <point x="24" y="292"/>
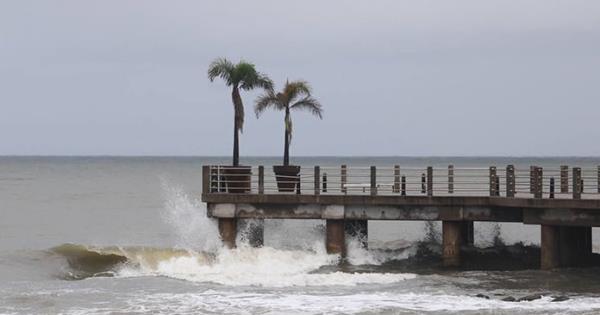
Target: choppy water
<point x="130" y="236"/>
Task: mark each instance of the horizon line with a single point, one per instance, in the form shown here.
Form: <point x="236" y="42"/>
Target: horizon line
<point x="296" y="156"/>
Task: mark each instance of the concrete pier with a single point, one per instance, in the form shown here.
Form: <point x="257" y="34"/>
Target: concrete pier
<point x="451" y="242"/>
<point x="457" y="196"/>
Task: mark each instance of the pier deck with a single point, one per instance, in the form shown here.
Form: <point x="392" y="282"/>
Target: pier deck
<point x="565" y="202"/>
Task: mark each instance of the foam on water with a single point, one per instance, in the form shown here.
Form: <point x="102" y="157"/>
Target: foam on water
<point x="215" y="301"/>
<point x="265" y="266"/>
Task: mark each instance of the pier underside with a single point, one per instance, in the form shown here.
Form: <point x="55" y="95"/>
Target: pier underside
<point x="565" y="233"/>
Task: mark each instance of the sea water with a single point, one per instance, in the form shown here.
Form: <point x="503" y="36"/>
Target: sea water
<point x="105" y="235"/>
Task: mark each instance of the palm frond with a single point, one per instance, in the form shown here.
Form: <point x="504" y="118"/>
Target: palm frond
<point x="268" y="100"/>
<point x="310" y="104"/>
<point x="296" y="89"/>
<point x="222" y="68"/>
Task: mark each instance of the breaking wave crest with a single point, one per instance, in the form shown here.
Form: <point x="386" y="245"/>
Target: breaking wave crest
<point x="243" y="266"/>
<point x="199" y="257"/>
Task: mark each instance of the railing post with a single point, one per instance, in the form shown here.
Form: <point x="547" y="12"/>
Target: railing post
<point x="206" y="179"/>
<point x="324" y="182"/>
<point x="510" y="181"/>
<point x="423" y="183"/>
<point x="493" y="181"/>
<point x="396" y="179"/>
<point x="532" y="179"/>
<point x="576" y="183"/>
<point x="539" y="180"/>
<point x="344" y="178"/>
<point x="450" y="179"/>
<point x="261" y="179"/>
<point x="403" y="188"/>
<point x="373" y="181"/>
<point x="564" y="179"/>
<point x="551" y="188"/>
<point x="429" y="181"/>
<point x="317" y="180"/>
<point x="598" y="183"/>
<point x="497" y="185"/>
<point x="299" y="182"/>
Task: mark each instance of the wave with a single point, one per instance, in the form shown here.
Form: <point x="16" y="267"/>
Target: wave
<point x="243" y="266"/>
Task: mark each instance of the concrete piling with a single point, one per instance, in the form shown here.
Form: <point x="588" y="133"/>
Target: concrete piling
<point x="451" y="242"/>
<point x="228" y="231"/>
<point x="335" y="238"/>
<point x="549" y="247"/>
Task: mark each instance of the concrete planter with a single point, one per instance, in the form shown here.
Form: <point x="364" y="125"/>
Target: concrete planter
<point x="238" y="179"/>
<point x="287" y="177"/>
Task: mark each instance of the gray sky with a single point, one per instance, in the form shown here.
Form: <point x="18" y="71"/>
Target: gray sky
<point x="394" y="77"/>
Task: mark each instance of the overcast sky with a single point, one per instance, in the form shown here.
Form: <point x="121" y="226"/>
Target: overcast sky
<point x="394" y="77"/>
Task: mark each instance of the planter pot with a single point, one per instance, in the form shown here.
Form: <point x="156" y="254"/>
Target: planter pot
<point x="287" y="176"/>
<point x="237" y="179"/>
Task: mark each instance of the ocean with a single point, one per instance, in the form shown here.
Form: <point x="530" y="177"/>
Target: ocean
<point x="129" y="235"/>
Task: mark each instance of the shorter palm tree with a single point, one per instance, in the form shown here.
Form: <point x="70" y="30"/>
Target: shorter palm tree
<point x="296" y="95"/>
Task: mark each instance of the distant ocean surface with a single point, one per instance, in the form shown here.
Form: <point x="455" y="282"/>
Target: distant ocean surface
<point x="129" y="235"/>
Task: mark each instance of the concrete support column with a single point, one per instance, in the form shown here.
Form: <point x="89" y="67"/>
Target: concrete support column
<point x="358" y="229"/>
<point x="550" y="247"/>
<point x="335" y="242"/>
<point x="467" y="232"/>
<point x="451" y="242"/>
<point x="228" y="231"/>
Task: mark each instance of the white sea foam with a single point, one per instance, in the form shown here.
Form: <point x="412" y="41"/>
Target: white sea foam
<point x="211" y="301"/>
<point x="188" y="219"/>
<point x="269" y="267"/>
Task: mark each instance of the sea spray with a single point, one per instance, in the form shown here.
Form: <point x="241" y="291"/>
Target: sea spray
<point x="189" y="221"/>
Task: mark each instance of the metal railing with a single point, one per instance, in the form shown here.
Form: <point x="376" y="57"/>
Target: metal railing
<point x="509" y="181"/>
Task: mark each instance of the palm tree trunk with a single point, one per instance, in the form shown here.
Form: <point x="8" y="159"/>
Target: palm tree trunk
<point x="286" y="150"/>
<point x="237" y="105"/>
<point x="236" y="144"/>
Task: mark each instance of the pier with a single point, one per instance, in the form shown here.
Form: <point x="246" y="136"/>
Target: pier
<point x="564" y="201"/>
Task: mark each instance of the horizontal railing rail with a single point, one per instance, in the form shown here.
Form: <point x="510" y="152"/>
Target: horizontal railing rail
<point x="507" y="181"/>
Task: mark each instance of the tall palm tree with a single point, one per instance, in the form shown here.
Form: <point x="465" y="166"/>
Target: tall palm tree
<point x="296" y="95"/>
<point x="240" y="76"/>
